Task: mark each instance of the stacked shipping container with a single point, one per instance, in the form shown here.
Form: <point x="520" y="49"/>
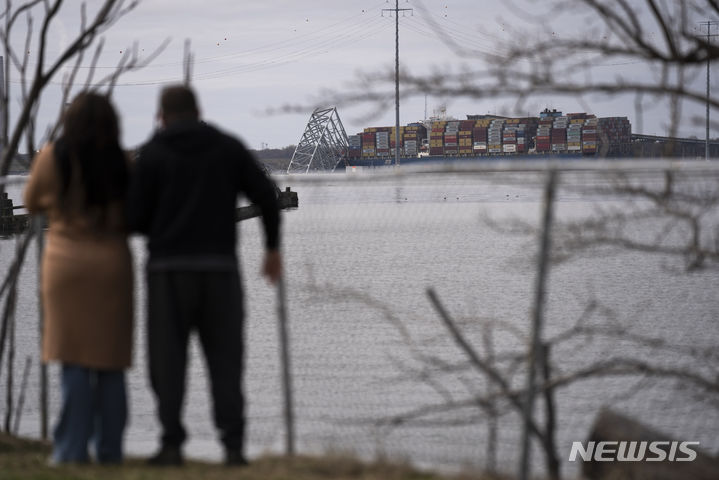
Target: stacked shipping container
<point x="436" y="138"/>
<point x="552" y="132"/>
<point x="412" y="137"/>
<point x="615" y="134"/>
<point x="543" y="139"/>
<point x="494" y="136"/>
<point x="383" y="144"/>
<point x="465" y="145"/>
<point x="509" y="136"/>
<point x="381" y="141"/>
<point x="355" y="144"/>
<point x="479" y="135"/>
<point x="559" y="134"/>
<point x="574" y="136"/>
<point x="451" y="133"/>
<point x="589" y="136"/>
<point x="368" y="144"/>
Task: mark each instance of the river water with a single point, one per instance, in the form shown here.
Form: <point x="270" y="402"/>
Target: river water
<point x="367" y="344"/>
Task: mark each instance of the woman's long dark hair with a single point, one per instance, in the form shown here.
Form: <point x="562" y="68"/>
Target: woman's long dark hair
<point x="90" y="142"/>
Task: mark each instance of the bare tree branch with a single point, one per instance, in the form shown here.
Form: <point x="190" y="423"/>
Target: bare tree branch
<point x="105" y="17"/>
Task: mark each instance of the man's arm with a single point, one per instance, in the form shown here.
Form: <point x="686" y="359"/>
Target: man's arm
<point x="262" y="191"/>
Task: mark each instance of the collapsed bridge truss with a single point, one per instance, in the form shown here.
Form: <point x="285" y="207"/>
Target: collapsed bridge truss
<point x="323" y="145"/>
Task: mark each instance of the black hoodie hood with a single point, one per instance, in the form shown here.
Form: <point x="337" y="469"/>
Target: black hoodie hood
<point x="188" y="136"/>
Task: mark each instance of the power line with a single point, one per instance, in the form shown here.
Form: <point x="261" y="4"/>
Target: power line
<point x="339" y="28"/>
<point x="309" y="47"/>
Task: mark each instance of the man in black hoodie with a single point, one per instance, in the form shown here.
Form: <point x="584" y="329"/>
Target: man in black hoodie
<point x="183" y="197"/>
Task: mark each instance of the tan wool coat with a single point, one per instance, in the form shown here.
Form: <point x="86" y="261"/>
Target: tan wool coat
<point x="86" y="274"/>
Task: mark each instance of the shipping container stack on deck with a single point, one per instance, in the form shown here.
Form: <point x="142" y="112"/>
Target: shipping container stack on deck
<point x="574" y="136"/>
<point x="451" y="138"/>
<point x="479" y="135"/>
<point x="614" y="134"/>
<point x="436" y="139"/>
<point x="413" y="135"/>
<point x="494" y="136"/>
<point x="559" y="134"/>
<point x="509" y="136"/>
<point x="521" y="134"/>
<point x="543" y="142"/>
<point x="550" y="133"/>
<point x="589" y="136"/>
<point x="383" y="141"/>
<point x="369" y="149"/>
<point x="465" y="146"/>
<point x="355" y="146"/>
<point x="517" y="135"/>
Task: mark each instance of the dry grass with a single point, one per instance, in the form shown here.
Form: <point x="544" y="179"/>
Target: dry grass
<point x="27" y="460"/>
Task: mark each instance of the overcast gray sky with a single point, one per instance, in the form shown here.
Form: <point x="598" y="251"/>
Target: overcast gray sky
<point x="251" y="56"/>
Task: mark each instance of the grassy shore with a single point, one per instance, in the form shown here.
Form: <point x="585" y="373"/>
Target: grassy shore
<point x="27" y="460"/>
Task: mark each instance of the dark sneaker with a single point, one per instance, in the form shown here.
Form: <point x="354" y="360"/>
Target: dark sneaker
<point x="166" y="457"/>
<point x="234" y="458"/>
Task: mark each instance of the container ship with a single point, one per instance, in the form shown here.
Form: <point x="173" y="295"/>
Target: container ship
<point x="549" y="134"/>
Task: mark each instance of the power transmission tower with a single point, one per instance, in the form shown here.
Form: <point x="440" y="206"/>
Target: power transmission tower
<point x="708" y="25"/>
<point x="323" y="145"/>
<point x="396" y="11"/>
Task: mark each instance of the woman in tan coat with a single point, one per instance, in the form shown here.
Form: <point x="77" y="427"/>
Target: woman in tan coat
<point x="80" y="183"/>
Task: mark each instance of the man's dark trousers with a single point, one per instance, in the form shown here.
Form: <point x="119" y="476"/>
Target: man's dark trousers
<point x="209" y="302"/>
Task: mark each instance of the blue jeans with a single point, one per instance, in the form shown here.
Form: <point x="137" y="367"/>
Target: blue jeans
<point x="94" y="409"/>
